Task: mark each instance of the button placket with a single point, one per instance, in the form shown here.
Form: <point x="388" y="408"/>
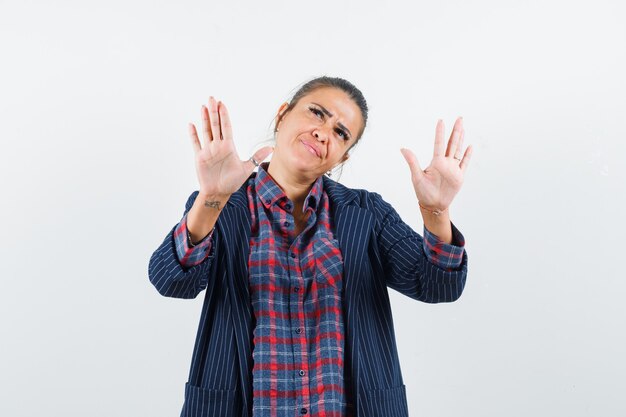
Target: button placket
<point x="299" y="326"/>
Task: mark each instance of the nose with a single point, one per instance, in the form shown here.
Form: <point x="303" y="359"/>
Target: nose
<point x="321" y="133"/>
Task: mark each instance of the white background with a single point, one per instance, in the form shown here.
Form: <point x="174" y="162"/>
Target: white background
<point x="96" y="165"/>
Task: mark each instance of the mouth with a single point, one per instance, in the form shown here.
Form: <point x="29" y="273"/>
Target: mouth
<point x="312" y="149"/>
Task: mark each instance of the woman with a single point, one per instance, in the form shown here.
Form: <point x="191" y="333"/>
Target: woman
<point x="296" y="317"/>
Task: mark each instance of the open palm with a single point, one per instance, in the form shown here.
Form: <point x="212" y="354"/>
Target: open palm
<point x="219" y="169"/>
<point x="437" y="185"/>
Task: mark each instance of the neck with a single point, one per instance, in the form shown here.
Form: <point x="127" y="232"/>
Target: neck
<point x="296" y="187"/>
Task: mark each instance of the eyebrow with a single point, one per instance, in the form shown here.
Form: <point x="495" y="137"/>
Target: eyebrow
<point x="329" y="114"/>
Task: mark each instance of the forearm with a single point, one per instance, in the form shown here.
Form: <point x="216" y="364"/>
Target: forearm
<point x="438" y="225"/>
<point x="203" y="215"/>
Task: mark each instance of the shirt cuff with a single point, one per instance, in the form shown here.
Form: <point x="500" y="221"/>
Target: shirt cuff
<point x="444" y="255"/>
<point x="190" y="255"/>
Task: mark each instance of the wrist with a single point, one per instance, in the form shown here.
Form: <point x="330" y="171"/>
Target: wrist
<point x="216" y="201"/>
<point x="440" y="226"/>
<point x="435" y="211"/>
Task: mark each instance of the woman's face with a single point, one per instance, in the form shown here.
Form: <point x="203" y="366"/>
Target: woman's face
<point x="314" y="136"/>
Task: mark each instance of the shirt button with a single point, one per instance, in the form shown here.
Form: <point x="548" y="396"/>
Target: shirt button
<point x="301" y="372"/>
<point x="293" y="255"/>
<point x="286" y="224"/>
<point x="287" y="206"/>
<point x="268" y="201"/>
<point x="298" y="330"/>
<point x="296" y="289"/>
<point x="303" y="411"/>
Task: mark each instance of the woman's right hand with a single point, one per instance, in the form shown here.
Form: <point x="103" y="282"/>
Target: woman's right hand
<point x="219" y="169"/>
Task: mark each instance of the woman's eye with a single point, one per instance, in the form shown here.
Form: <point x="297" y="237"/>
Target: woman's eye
<point x="316" y="111"/>
<point x="343" y="134"/>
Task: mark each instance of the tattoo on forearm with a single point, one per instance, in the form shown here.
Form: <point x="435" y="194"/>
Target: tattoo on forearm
<point x="212" y="204"/>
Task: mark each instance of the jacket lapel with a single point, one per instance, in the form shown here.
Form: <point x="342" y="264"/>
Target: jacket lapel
<point x="353" y="226"/>
<point x="235" y="223"/>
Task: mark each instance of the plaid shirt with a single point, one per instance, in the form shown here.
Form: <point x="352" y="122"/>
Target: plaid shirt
<point x="296" y="293"/>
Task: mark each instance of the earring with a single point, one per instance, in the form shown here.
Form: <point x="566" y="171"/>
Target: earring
<point x="329" y="173"/>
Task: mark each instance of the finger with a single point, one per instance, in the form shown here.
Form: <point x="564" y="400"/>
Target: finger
<point x="459" y="148"/>
<point x="414" y="166"/>
<point x="214" y="119"/>
<point x="226" y="127"/>
<point x="466" y="159"/>
<point x="439" y="145"/>
<point x="195" y="142"/>
<point x="454" y="137"/>
<point x="259" y="156"/>
<point x="206" y="133"/>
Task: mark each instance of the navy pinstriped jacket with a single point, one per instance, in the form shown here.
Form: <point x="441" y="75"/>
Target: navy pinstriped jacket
<point x="379" y="251"/>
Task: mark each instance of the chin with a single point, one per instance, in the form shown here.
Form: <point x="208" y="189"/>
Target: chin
<point x="299" y="164"/>
<point x="299" y="159"/>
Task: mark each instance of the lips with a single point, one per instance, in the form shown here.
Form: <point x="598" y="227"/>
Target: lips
<point x="312" y="149"/>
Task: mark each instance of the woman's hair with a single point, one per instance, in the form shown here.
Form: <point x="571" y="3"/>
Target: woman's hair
<point x="333" y="82"/>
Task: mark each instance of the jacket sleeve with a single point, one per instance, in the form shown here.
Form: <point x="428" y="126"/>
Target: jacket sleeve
<point x="172" y="278"/>
<point x="409" y="269"/>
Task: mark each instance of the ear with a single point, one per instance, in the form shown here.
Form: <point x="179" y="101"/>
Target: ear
<point x="345" y="157"/>
<point x="281" y="110"/>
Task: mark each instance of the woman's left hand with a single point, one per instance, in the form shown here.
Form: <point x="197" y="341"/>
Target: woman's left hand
<point x="436" y="186"/>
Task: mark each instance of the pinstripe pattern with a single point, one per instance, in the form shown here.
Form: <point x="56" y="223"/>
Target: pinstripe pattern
<point x="379" y="251"/>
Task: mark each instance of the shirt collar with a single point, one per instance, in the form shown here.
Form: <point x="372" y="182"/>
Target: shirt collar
<point x="269" y="191"/>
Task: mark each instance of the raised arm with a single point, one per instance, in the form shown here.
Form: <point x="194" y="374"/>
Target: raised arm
<point x="220" y="173"/>
<point x="423" y="268"/>
<point x="432" y="268"/>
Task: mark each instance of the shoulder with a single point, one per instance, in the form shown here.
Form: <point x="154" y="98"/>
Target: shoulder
<point x="370" y="201"/>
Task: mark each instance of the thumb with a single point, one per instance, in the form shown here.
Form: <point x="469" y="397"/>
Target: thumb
<point x="259" y="156"/>
<point x="411" y="159"/>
